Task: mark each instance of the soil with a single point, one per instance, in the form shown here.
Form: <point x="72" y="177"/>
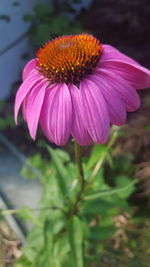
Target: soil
<point x="9" y="246"/>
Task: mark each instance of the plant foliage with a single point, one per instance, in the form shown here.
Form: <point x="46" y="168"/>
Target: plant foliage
<point x="50" y="21"/>
<point x="72" y="227"/>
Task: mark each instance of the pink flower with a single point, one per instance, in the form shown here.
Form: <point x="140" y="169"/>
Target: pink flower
<point x="77" y="86"/>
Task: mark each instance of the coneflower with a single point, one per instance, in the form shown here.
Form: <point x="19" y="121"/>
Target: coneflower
<point x="78" y="86"/>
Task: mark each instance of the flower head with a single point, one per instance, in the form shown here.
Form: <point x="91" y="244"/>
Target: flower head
<point x="68" y="59"/>
<point x="77" y="86"/>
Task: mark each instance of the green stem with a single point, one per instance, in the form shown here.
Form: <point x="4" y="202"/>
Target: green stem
<point x="15" y="211"/>
<point x="101" y="160"/>
<point x="78" y="158"/>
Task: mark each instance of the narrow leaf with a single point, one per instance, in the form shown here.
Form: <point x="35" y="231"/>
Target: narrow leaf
<point x="109" y="192"/>
<point x="122" y="181"/>
<point x="75" y="234"/>
<point x="61" y="170"/>
<point x="99" y="233"/>
<point x="97" y="152"/>
<point x="63" y="155"/>
<point x="45" y="257"/>
<point x="27" y="214"/>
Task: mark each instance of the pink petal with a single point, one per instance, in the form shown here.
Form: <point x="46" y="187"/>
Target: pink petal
<point x="126" y="92"/>
<point x="28" y="68"/>
<point x="24" y="89"/>
<point x="111" y="53"/>
<point x="124" y="66"/>
<point x="96" y="115"/>
<point x="138" y="78"/>
<point x="56" y="114"/>
<point x="78" y="131"/>
<point x="24" y="105"/>
<point x="45" y="115"/>
<point x="33" y="106"/>
<point x="115" y="105"/>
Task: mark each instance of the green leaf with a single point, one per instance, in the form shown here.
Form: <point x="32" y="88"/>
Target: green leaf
<point x="30" y="253"/>
<point x="61" y="249"/>
<point x="124" y="163"/>
<point x="101" y="233"/>
<point x="28" y="173"/>
<point x="42" y="33"/>
<point x="35" y="238"/>
<point x="27" y="214"/>
<point x="23" y="262"/>
<point x="75" y="234"/>
<point x="45" y="257"/>
<point x="147" y="127"/>
<point x="123" y="181"/>
<point x="61" y="170"/>
<point x="42" y="10"/>
<point x="60" y="24"/>
<point x="48" y="235"/>
<point x="63" y="155"/>
<point x="56" y="263"/>
<point x="3" y="124"/>
<point x="28" y="17"/>
<point x="109" y="192"/>
<point x="97" y="152"/>
<point x="107" y="220"/>
<point x="97" y="207"/>
<point x="110" y="160"/>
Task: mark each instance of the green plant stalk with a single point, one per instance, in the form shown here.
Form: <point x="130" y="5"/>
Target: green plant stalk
<point x="15" y="211"/>
<point x="101" y="160"/>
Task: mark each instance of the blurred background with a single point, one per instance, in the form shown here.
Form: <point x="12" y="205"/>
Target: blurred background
<point x="24" y="26"/>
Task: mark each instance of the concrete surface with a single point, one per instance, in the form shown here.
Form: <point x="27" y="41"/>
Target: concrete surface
<point x="18" y="190"/>
<point x="14" y="41"/>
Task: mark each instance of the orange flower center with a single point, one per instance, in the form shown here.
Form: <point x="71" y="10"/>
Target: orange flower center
<point x="69" y="58"/>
